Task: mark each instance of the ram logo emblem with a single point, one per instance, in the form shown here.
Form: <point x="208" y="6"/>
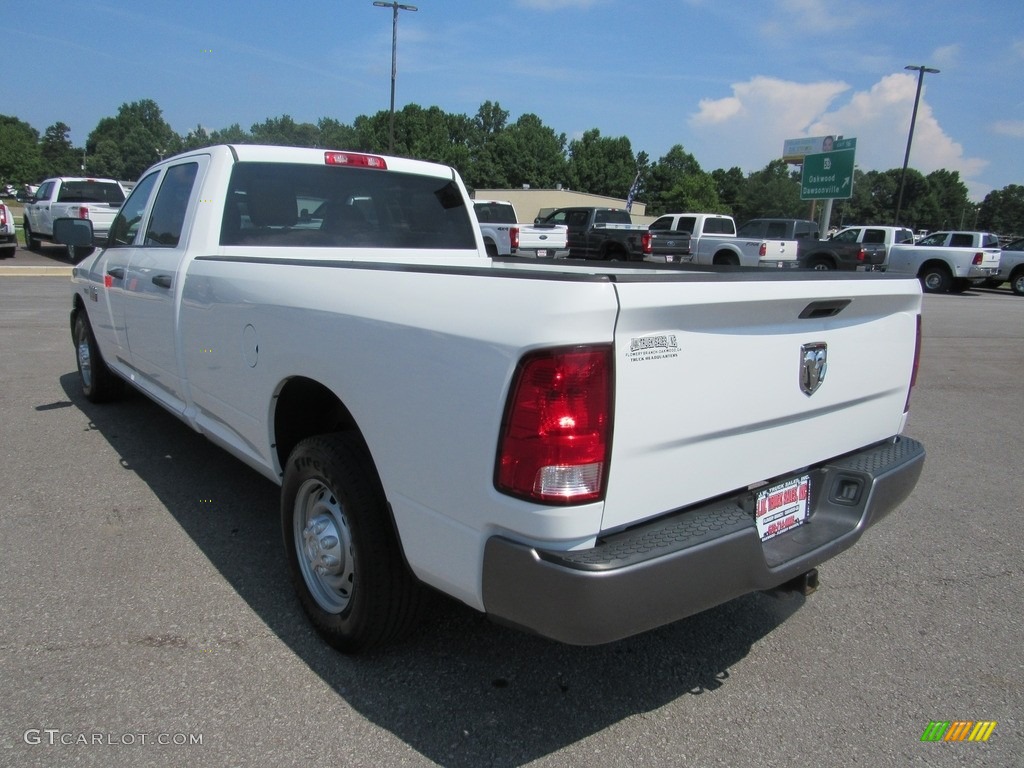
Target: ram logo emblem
<point x="813" y="365"/>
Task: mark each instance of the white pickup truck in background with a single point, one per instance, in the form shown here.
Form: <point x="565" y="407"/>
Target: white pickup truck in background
<point x="486" y="426"/>
<point x="505" y="236"/>
<point x="76" y="198"/>
<point x="710" y="238"/>
<point x="948" y="261"/>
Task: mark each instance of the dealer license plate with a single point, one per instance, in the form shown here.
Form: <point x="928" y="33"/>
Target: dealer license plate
<point x="782" y="507"/>
<point x="541" y="253"/>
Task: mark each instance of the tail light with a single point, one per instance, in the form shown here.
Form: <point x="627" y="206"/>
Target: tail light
<point x="83" y="212"/>
<point x="978" y="258"/>
<point x="917" y="362"/>
<point x="3" y="216"/>
<point x="513" y="236"/>
<point x="861" y="255"/>
<point x="763" y="250"/>
<point x="645" y="243"/>
<point x="555" y="436"/>
<point x="355" y="159"/>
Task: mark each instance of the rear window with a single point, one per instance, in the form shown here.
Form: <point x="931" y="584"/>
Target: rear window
<point x="612" y="216"/>
<point x="274" y="204"/>
<point x="90" y="191"/>
<point x="495" y="213"/>
<point x="719" y="227"/>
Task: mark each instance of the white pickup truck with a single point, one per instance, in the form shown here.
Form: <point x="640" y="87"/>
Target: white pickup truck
<point x="948" y="261"/>
<point x="505" y="236"/>
<point x="711" y="240"/>
<point x="485" y="426"/>
<point x="71" y="197"/>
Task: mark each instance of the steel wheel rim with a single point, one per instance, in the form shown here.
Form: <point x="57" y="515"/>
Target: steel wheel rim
<point x="84" y="358"/>
<point x="323" y="546"/>
<point x="933" y="280"/>
<point x="1018" y="283"/>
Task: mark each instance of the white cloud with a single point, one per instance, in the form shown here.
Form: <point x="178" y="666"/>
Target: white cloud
<point x="753" y="123"/>
<point x="1012" y="128"/>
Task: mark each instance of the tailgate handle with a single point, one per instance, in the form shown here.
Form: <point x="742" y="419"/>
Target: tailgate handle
<point x="828" y="308"/>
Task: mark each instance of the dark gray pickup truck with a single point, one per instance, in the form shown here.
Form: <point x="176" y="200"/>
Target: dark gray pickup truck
<point x="604" y="234"/>
<point x="812" y="252"/>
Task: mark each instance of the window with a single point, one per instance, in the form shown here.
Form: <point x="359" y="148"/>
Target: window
<point x="662" y="224"/>
<point x="90" y="191"/>
<point x="168" y="215"/>
<point x="776" y="230"/>
<point x="126" y="224"/>
<point x="719" y="226"/>
<point x="495" y="213"/>
<point x="268" y="205"/>
<point x="961" y="240"/>
<point x="874" y="236"/>
<point x="848" y="236"/>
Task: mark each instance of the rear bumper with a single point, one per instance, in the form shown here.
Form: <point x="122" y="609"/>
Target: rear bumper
<point x="692" y="559"/>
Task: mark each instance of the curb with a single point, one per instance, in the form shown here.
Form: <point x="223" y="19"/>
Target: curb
<point x="35" y="271"/>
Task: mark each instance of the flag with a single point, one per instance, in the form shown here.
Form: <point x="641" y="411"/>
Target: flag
<point x="632" y="192"/>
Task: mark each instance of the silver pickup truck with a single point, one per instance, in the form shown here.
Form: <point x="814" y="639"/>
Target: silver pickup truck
<point x="948" y="261"/>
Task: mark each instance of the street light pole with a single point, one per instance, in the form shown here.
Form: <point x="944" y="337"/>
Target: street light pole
<point x="395" y="7"/>
<point x="910" y="137"/>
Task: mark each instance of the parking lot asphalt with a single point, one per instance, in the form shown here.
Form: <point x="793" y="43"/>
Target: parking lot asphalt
<point x="147" y="619"/>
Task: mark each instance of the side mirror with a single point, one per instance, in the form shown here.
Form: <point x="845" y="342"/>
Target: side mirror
<point x="75" y="232"/>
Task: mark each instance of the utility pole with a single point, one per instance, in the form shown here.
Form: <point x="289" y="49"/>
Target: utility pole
<point x="395" y="7"/>
<point x="910" y="137"/>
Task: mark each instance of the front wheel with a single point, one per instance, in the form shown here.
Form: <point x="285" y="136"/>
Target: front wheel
<point x="99" y="383"/>
<point x="31" y="242"/>
<point x="821" y="264"/>
<point x="343" y="553"/>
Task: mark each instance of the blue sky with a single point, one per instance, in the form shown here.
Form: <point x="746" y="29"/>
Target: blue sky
<point x="729" y="80"/>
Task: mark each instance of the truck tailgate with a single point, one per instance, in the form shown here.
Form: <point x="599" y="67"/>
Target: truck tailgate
<point x="711" y="382"/>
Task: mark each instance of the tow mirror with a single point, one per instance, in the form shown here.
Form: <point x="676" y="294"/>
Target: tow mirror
<point x="76" y="232"/>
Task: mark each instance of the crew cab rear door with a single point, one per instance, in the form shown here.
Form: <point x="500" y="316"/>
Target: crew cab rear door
<point x="712" y="385"/>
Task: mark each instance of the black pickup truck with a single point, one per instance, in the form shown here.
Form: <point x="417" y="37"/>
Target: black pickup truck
<point x="812" y="252"/>
<point x="604" y="234"/>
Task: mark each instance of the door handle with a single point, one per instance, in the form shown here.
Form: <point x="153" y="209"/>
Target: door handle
<point x="117" y="273"/>
<point x="164" y="281"/>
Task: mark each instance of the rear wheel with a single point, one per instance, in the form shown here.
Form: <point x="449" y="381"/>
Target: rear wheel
<point x="342" y="551"/>
<point x="1017" y="282"/>
<point x="959" y="285"/>
<point x="821" y="264"/>
<point x="935" y="278"/>
<point x="99" y="383"/>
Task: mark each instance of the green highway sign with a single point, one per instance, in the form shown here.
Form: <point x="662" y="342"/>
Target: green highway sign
<point x="828" y="175"/>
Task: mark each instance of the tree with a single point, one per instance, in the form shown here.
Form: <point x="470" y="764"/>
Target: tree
<point x="729" y="186"/>
<point x="772" y="191"/>
<point x="601" y="166"/>
<point x="529" y="152"/>
<point x="1002" y="211"/>
<point x="336" y="135"/>
<point x="285" y="132"/>
<point x="122" y="147"/>
<point x="58" y="156"/>
<point x="677" y="183"/>
<point x="21" y="161"/>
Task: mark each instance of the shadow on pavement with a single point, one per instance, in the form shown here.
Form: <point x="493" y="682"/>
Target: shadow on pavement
<point x="462" y="691"/>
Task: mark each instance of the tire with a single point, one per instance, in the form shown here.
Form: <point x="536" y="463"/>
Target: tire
<point x="821" y="264"/>
<point x="991" y="282"/>
<point x="935" y="278"/>
<point x="99" y="383"/>
<point x="77" y="253"/>
<point x="342" y="551"/>
<point x="1017" y="282"/>
<point x="8" y="253"/>
<point x="32" y="243"/>
<point x="960" y="285"/>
